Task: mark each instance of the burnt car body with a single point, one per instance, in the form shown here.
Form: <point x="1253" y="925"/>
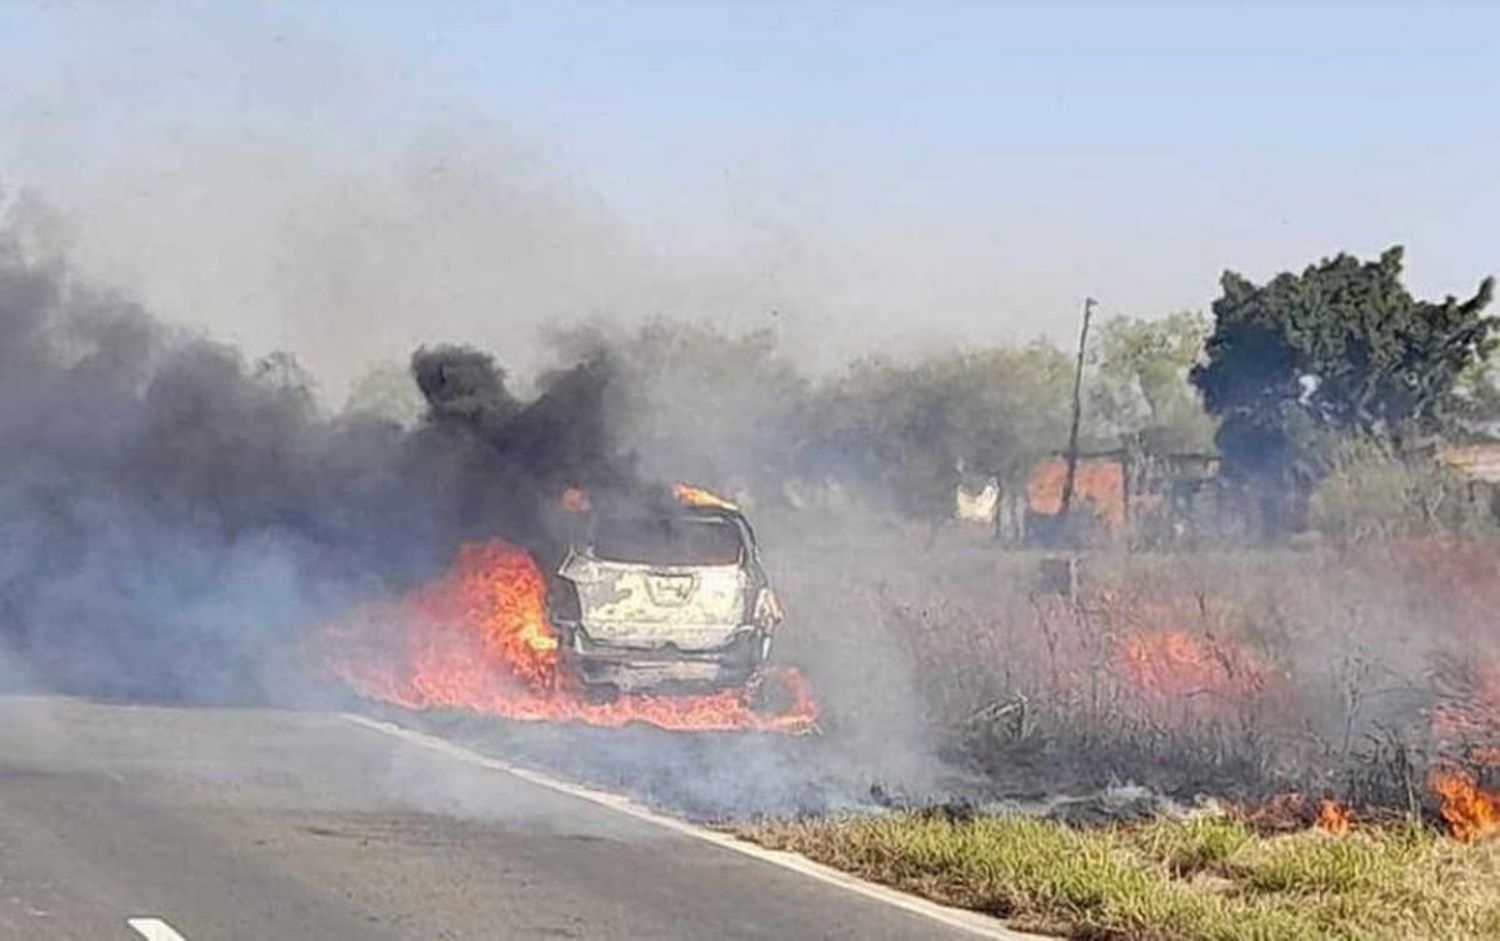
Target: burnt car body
<point x="664" y="598"/>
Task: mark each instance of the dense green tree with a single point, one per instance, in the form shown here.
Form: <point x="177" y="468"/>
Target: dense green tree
<point x="1343" y="348"/>
<point x="1139" y="386"/>
<point x="1477" y="409"/>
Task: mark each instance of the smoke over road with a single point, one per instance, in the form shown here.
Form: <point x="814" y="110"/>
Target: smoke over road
<point x="177" y="523"/>
<point x="174" y="516"/>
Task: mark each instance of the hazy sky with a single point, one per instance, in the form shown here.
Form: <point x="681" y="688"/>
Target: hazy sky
<point x="347" y="180"/>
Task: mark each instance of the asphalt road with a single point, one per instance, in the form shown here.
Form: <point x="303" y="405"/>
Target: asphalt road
<point x="291" y="825"/>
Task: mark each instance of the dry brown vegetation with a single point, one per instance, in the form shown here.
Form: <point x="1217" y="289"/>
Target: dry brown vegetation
<point x="1240" y="674"/>
<point x="1331" y="715"/>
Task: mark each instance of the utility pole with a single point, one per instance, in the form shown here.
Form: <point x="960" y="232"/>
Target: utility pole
<point x="1083" y="339"/>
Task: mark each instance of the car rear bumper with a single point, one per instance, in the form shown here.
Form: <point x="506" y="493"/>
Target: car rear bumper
<point x="638" y="669"/>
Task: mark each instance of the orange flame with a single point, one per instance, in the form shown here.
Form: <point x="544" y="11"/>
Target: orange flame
<point x="1169" y="664"/>
<point x="1333" y="818"/>
<point x="479" y="639"/>
<point x="1471" y="813"/>
<point x="1283" y="811"/>
<point x="1292" y="811"/>
<point x="688" y="495"/>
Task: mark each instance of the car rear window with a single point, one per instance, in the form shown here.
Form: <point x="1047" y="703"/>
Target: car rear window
<point x="668" y="540"/>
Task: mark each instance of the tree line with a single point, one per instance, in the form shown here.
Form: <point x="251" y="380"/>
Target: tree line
<point x="1283" y="380"/>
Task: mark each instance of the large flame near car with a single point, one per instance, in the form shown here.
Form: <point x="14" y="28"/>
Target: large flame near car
<point x="478" y="639"/>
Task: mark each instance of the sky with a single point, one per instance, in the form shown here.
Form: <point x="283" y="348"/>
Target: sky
<point x="350" y="180"/>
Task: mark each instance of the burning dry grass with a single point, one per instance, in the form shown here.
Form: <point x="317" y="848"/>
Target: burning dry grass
<point x="1209" y="877"/>
<point x="1344" y="707"/>
<point x="1347" y="704"/>
<point x="1147" y="680"/>
<point x="1471" y="812"/>
<point x="1242" y="674"/>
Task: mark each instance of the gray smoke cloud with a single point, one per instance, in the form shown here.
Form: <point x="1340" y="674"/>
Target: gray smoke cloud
<point x="173" y="517"/>
<point x="177" y="519"/>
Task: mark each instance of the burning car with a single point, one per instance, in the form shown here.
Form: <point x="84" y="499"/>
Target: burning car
<point x="664" y="597"/>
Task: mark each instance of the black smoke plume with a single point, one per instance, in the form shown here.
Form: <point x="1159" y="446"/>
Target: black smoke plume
<point x="173" y="519"/>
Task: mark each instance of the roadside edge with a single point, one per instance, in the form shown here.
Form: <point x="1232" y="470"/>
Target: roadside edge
<point x="979" y="925"/>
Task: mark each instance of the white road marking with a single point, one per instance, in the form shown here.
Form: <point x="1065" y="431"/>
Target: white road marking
<point x="154" y="929"/>
<point x="979" y="925"/>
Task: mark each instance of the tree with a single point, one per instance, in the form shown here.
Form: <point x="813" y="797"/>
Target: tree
<point x="1477" y="411"/>
<point x="1370" y="494"/>
<point x="1140" y="386"/>
<point x="1341" y="349"/>
<point x="905" y="429"/>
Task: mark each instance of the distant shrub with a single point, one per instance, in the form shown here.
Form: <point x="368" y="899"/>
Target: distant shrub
<point x="1372" y="495"/>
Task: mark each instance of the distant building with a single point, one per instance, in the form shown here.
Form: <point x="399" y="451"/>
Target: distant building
<point x="977" y="502"/>
<point x="1101" y="485"/>
<point x="1126" y="495"/>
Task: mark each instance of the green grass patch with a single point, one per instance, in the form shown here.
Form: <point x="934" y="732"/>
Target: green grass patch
<point x="1207" y="878"/>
